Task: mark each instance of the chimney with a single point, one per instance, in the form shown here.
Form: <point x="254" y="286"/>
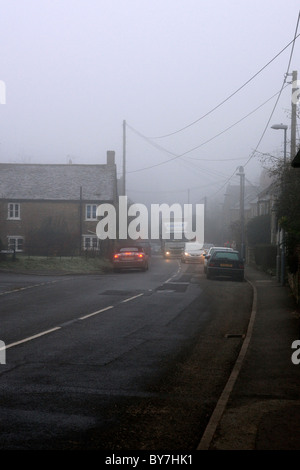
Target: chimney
<point x="110" y="157"/>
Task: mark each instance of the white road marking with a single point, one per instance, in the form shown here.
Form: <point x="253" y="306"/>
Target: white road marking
<point x="96" y="313"/>
<point x="11" y="345"/>
<point x="131" y="298"/>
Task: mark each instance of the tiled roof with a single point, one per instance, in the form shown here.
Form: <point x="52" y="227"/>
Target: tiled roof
<point x="57" y="182"/>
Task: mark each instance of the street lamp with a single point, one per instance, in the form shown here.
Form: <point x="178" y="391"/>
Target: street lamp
<point x="283" y="127"/>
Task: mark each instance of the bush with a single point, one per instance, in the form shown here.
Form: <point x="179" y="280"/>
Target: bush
<point x="265" y="256"/>
<point x="259" y="230"/>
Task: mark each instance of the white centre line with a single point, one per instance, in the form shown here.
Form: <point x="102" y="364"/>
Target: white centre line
<point x="11" y="345"/>
<point x="96" y="313"/>
<point x="131" y="298"/>
<point x="46" y="332"/>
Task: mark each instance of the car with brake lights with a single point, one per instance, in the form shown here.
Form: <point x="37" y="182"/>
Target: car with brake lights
<point x="225" y="264"/>
<point x="130" y="257"/>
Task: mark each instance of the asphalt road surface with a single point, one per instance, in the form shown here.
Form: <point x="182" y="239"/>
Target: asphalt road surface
<point x="120" y="361"/>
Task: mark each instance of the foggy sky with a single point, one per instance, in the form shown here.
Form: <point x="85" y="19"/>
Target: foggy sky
<point x="74" y="70"/>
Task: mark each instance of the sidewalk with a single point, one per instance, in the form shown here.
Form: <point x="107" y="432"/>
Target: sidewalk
<point x="263" y="410"/>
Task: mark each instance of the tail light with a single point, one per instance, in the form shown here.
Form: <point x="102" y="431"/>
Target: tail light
<point x="116" y="256"/>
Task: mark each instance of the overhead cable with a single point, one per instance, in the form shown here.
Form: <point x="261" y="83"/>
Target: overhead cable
<point x="230" y="96"/>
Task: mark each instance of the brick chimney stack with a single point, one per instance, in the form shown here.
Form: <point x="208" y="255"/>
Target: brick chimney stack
<point x="110" y="157"/>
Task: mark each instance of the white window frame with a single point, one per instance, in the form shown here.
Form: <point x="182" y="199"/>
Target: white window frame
<point x="18" y="244"/>
<point x="90" y="211"/>
<point x="14" y="211"/>
<point x="90" y="242"/>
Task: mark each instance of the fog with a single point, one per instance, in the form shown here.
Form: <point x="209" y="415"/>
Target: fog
<point x="196" y="82"/>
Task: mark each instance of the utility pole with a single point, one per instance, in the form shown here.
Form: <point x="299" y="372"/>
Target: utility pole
<point x="241" y="174"/>
<point x="294" y="115"/>
<point x="80" y="220"/>
<point x="124" y="158"/>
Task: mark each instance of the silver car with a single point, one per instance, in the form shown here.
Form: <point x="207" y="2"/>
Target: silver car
<point x="193" y="253"/>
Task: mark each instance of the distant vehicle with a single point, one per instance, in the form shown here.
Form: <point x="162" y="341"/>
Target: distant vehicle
<point x="172" y="238"/>
<point x="225" y="263"/>
<point x="130" y="257"/>
<point x="155" y="248"/>
<point x="210" y="252"/>
<point x="172" y="248"/>
<point x="193" y="253"/>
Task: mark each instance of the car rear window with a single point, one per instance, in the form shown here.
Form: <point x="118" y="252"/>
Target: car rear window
<point x="227" y="255"/>
<point x="131" y="248"/>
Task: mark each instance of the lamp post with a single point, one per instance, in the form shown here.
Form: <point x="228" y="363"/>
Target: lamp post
<point x="283" y="127"/>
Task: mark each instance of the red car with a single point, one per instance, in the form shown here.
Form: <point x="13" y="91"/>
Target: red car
<point x="130" y="257"/>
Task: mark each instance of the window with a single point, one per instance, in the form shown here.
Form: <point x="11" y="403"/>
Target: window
<point x="90" y="243"/>
<point x="90" y="211"/>
<point x="13" y="210"/>
<point x="226" y="255"/>
<point x="16" y="243"/>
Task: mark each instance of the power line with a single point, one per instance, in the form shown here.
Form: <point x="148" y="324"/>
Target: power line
<point x="282" y="87"/>
<point x="255" y="150"/>
<point x="159" y="147"/>
<point x="230" y="96"/>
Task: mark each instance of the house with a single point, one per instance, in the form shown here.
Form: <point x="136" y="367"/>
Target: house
<point x="52" y="208"/>
<point x="266" y="200"/>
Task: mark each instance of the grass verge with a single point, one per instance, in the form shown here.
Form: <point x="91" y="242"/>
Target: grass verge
<point x="63" y="264"/>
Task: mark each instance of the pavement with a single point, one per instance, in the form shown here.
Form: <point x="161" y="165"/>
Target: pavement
<point x="260" y="406"/>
